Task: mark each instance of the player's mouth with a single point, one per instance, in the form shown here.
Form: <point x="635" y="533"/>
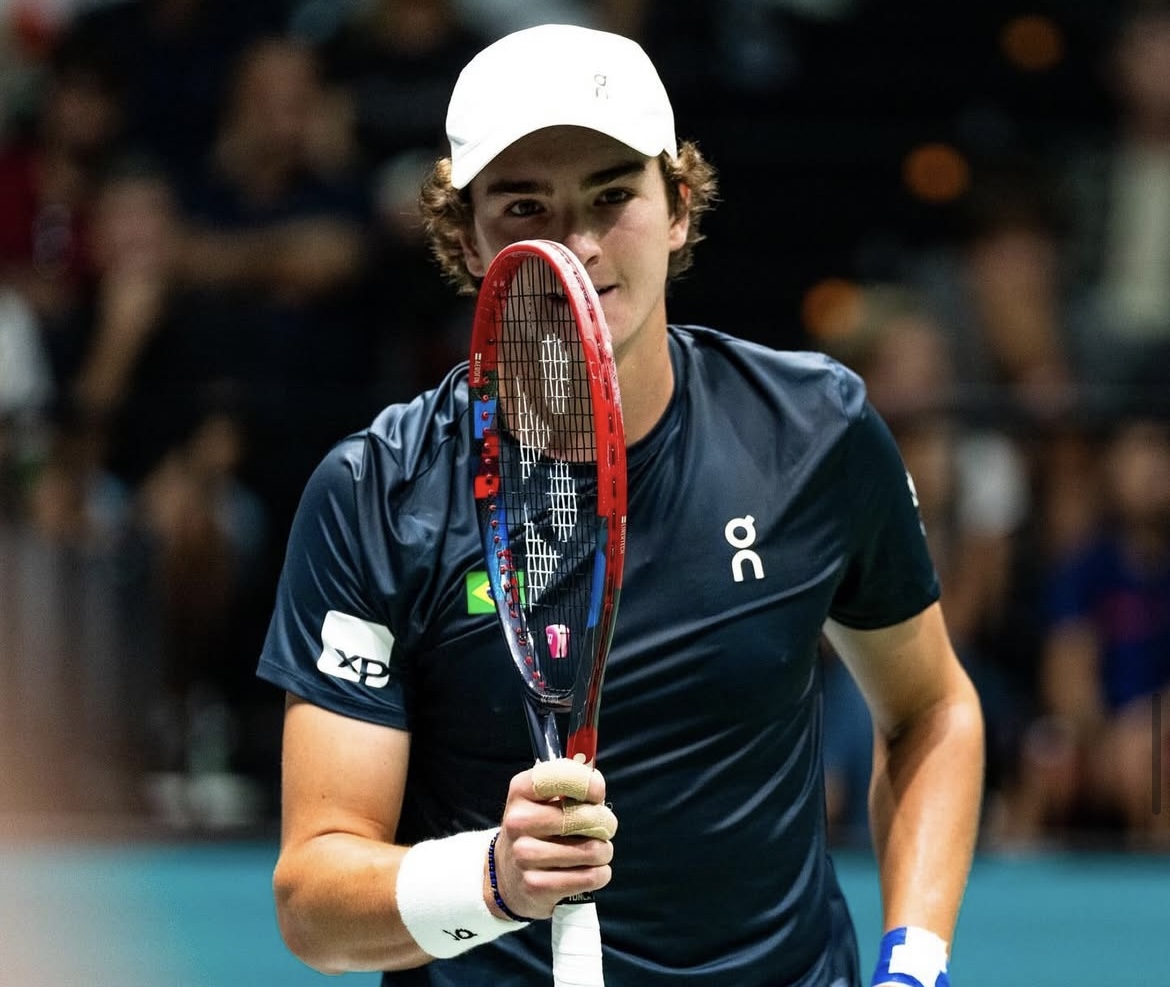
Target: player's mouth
<point x="561" y="298"/>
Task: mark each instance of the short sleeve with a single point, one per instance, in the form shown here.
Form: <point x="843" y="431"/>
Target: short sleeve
<point x="330" y="640"/>
<point x="889" y="575"/>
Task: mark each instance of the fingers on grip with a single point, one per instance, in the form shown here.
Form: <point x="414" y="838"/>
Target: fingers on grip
<point x="586" y="819"/>
<point x="569" y="780"/>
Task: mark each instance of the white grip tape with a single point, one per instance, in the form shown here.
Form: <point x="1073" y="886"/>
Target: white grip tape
<point x="576" y="946"/>
<point x="440" y="895"/>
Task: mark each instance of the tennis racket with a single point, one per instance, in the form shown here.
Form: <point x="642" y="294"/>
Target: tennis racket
<point x="550" y="488"/>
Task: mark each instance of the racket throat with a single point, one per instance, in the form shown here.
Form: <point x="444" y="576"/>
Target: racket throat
<point x="542" y="728"/>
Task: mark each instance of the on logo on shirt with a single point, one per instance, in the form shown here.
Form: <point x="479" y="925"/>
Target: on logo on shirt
<point x="740" y="532"/>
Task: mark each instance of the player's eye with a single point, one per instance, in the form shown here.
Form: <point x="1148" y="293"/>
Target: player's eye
<point x="523" y="207"/>
<point x="614" y="196"/>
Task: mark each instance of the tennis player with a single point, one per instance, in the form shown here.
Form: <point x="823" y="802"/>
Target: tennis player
<point x="768" y="507"/>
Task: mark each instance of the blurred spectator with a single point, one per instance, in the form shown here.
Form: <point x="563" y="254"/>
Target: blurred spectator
<point x="144" y="355"/>
<point x="119" y="363"/>
<point x="1120" y="187"/>
<point x="47" y="177"/>
<point x="424" y="327"/>
<point x="174" y="58"/>
<point x="1087" y="764"/>
<point x="206" y="533"/>
<point x="1001" y="293"/>
<point x="395" y="62"/>
<point x="281" y="243"/>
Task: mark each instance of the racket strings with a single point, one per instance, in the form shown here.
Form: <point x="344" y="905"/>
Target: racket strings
<point x="542" y="562"/>
<point x="548" y="473"/>
<point x="563" y="495"/>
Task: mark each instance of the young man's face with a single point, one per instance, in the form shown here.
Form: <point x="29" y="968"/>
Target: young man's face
<point x="604" y="201"/>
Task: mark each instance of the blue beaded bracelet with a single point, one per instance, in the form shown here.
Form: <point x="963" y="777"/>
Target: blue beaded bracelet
<point x="495" y="887"/>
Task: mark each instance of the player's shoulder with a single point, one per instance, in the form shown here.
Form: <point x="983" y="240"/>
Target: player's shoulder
<point x="809" y="377"/>
<point x="407" y="440"/>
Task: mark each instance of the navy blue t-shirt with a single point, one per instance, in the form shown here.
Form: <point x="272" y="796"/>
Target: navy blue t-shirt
<point x="768" y="498"/>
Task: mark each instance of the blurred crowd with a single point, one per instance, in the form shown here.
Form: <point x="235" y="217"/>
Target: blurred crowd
<point x="211" y="268"/>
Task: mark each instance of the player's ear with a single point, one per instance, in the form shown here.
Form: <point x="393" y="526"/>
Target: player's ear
<point x="476" y="266"/>
<point x="680" y="223"/>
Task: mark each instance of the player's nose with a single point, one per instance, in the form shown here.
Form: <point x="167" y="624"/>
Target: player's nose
<point x="584" y="243"/>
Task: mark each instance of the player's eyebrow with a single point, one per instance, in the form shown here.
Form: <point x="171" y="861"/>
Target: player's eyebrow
<point x="596" y="179"/>
<point x="607" y="175"/>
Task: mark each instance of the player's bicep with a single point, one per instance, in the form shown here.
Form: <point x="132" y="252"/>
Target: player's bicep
<point x="340" y="775"/>
<point x="902" y="670"/>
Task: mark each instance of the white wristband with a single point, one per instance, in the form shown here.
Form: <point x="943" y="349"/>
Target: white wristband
<point x="440" y="895"/>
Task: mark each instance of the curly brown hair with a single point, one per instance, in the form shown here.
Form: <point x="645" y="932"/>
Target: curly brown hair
<point x="447" y="212"/>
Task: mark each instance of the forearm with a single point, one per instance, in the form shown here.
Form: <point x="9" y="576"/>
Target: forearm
<point x="348" y="902"/>
<point x="337" y="908"/>
<point x="924" y="809"/>
<point x="348" y="899"/>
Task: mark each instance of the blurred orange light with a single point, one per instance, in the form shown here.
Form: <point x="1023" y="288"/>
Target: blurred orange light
<point x="1033" y="43"/>
<point x="936" y="172"/>
<point x="832" y="309"/>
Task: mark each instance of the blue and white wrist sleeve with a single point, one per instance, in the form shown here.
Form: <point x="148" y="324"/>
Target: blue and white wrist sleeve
<point x="913" y="957"/>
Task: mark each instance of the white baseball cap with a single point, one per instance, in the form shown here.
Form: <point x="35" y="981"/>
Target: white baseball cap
<point x="556" y="75"/>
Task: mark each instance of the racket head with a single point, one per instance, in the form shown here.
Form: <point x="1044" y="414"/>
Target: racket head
<point x="549" y="474"/>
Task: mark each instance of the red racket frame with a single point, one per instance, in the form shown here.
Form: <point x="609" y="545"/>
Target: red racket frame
<point x="597" y="348"/>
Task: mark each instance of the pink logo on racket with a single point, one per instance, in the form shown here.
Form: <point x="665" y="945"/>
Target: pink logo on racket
<point x="558" y="640"/>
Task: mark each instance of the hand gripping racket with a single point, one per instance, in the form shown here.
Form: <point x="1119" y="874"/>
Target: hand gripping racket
<point x="550" y="487"/>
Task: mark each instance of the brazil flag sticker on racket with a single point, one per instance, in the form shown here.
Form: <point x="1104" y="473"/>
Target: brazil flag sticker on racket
<point x="479" y="592"/>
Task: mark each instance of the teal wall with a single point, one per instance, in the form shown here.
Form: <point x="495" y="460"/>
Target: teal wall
<point x="201" y="916"/>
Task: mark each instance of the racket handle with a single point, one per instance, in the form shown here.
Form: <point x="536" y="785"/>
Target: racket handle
<point x="576" y="946"/>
